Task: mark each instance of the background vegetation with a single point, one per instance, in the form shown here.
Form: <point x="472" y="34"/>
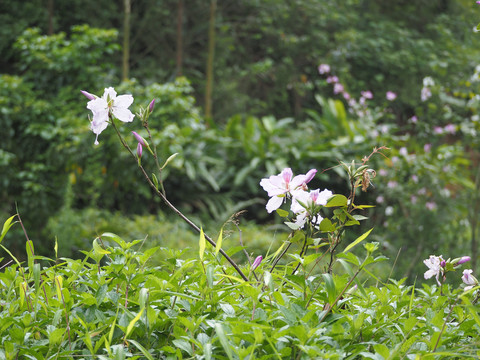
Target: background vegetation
<point x="239" y="96"/>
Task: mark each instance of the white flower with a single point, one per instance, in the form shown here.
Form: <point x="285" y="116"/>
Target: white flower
<point x="109" y="104"/>
<point x="469" y="279"/>
<point x="278" y="186"/>
<point x="434" y="267"/>
<point x="303" y="205"/>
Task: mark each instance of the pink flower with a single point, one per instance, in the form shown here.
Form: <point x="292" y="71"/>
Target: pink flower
<point x="434" y="267"/>
<point x="469" y="279"/>
<point x="438" y="130"/>
<point x="431" y="205"/>
<point x="450" y="128"/>
<point x="367" y="94"/>
<point x="414" y="119"/>
<point x="413" y="199"/>
<point x="303" y="204"/>
<point x="425" y="94"/>
<point x="323" y="68"/>
<point x="337" y="88"/>
<point x="392" y="184"/>
<point x="427" y="147"/>
<point x="391" y="96"/>
<point x="140" y="139"/>
<point x="332" y="79"/>
<point x="281" y="185"/>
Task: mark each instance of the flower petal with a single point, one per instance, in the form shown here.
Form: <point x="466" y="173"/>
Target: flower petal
<point x="109" y="94"/>
<point x="274" y="203"/>
<point x="123" y="114"/>
<point x="123" y="101"/>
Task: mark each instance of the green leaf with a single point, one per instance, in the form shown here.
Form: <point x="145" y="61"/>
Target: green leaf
<point x="170" y="158"/>
<point x="133" y="322"/>
<point x="358" y="240"/>
<point x="6" y="226"/>
<point x="337" y="200"/>
<point x="155" y="181"/>
<point x="223" y="340"/>
<point x="326" y="225"/>
<point x="330" y="288"/>
<point x="201" y="242"/>
<point x="30" y="254"/>
<point x="98" y="249"/>
<point x="282" y="213"/>
<point x="219" y="242"/>
<point x="142" y="349"/>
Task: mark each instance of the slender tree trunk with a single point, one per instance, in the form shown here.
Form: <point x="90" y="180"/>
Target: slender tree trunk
<point x="126" y="39"/>
<point x="180" y="38"/>
<point x="50" y="7"/>
<point x="211" y="51"/>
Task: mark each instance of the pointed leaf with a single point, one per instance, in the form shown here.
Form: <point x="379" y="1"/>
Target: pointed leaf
<point x="201" y="250"/>
<point x="358" y="240"/>
<point x="6" y="226"/>
<point x="219" y="242"/>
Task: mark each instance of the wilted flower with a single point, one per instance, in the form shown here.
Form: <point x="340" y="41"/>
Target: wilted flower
<point x="391" y="96"/>
<point x="434" y="267"/>
<point x="278" y="186"/>
<point x="469" y="279"/>
<point x="109" y="104"/>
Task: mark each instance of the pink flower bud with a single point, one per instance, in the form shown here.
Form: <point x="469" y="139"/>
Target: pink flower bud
<point x="463" y="260"/>
<point x="140" y="139"/>
<point x="139" y="150"/>
<point x="88" y="95"/>
<point x="152" y="105"/>
<point x="257" y="262"/>
<point x="443" y="263"/>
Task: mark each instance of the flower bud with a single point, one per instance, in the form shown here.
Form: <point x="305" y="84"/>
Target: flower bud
<point x="443" y="263"/>
<point x="463" y="260"/>
<point x="88" y="95"/>
<point x="140" y="139"/>
<point x="151" y="106"/>
<point x="139" y="150"/>
<point x="257" y="262"/>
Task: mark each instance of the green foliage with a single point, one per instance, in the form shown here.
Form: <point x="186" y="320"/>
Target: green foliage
<point x="116" y="304"/>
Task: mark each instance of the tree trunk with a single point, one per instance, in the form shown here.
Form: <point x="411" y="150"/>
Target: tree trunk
<point x="179" y="67"/>
<point x="126" y="39"/>
<point x="50" y="17"/>
<point x="211" y="51"/>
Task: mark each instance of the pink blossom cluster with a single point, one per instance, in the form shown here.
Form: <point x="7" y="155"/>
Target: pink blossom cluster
<point x="437" y="267"/>
<point x="304" y="204"/>
<point x="359" y="107"/>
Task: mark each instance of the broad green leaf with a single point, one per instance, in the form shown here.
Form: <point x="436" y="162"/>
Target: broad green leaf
<point x="326" y="225"/>
<point x="330" y="288"/>
<point x="201" y="242"/>
<point x="282" y="213"/>
<point x="219" y="242"/>
<point x="98" y="249"/>
<point x="337" y="200"/>
<point x="358" y="240"/>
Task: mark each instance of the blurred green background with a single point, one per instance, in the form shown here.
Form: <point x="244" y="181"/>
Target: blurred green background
<point x="239" y="96"/>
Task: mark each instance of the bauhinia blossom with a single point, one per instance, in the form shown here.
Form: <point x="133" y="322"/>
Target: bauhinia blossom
<point x="304" y="205"/>
<point x="283" y="184"/>
<point x="108" y="105"/>
<point x="469" y="279"/>
<point x="434" y="267"/>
